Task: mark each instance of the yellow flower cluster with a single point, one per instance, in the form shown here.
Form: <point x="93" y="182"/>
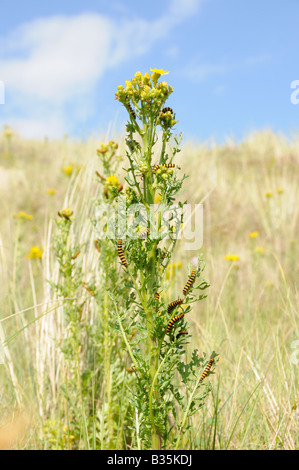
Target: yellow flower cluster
<point x="145" y="88"/>
<point x="35" y="252"/>
<point x="22" y="216"/>
<point x="107" y="151"/>
<point x="112" y="181"/>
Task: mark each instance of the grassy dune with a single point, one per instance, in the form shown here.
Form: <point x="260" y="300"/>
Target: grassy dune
<point x="251" y="223"/>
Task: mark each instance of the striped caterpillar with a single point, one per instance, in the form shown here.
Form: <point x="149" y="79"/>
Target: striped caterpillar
<point x="181" y="332"/>
<point x="132" y="112"/>
<point x="207" y="369"/>
<point x="144" y="233"/>
<point x="174" y="304"/>
<point x="165" y="165"/>
<point x="190" y="281"/>
<point x="120" y="252"/>
<point x="173" y="321"/>
<point x="164" y="110"/>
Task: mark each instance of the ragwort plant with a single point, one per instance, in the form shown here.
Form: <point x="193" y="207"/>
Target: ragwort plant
<point x="165" y="391"/>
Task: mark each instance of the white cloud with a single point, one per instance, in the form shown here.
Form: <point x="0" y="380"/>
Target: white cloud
<point x="63" y="56"/>
<point x="58" y="59"/>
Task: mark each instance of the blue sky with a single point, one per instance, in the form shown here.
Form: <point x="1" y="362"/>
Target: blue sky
<point x="231" y="63"/>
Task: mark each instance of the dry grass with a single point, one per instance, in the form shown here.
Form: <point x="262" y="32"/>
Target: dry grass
<point x="250" y="316"/>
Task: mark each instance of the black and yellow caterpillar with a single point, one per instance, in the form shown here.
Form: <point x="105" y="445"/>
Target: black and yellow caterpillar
<point x="207" y="369"/>
<point x="181" y="332"/>
<point x="174" y="304"/>
<point x="190" y="281"/>
<point x="132" y="112"/>
<point x="157" y="296"/>
<point x="144" y="233"/>
<point x="164" y="110"/>
<point x="173" y="321"/>
<point x="120" y="252"/>
<point x="165" y="165"/>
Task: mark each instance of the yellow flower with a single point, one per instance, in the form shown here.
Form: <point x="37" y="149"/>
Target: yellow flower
<point x="268" y="194"/>
<point x="66" y="213"/>
<point x="280" y="190"/>
<point x="68" y="169"/>
<point x="23" y="215"/>
<point x="7" y="131"/>
<point x="51" y="191"/>
<point x="112" y="181"/>
<point x="259" y="249"/>
<point x="254" y="234"/>
<point x="159" y="71"/>
<point x="157" y="199"/>
<point x="232" y="257"/>
<point x="6" y="155"/>
<point x="35" y="252"/>
<point x="157" y="74"/>
<point x="103" y="148"/>
<point x="138" y="75"/>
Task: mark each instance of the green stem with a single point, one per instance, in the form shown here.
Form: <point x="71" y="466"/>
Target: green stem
<point x="107" y="368"/>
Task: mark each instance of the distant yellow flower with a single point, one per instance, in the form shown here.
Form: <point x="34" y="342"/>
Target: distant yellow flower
<point x="280" y="190"/>
<point x="68" y="169"/>
<point x="157" y="199"/>
<point x="7" y="131"/>
<point x="6" y="155"/>
<point x="232" y="257"/>
<point x="268" y="194"/>
<point x="259" y="249"/>
<point x="35" y="252"/>
<point x="103" y="148"/>
<point x="51" y="191"/>
<point x="172" y="268"/>
<point x="254" y="234"/>
<point x="23" y="215"/>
